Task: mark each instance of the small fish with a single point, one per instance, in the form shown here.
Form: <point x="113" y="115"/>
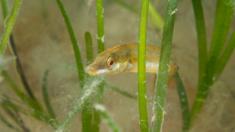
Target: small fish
<point x="124" y="58"/>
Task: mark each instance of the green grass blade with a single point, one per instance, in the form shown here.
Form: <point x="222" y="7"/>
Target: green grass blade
<point x="100" y="41"/>
<point x="7" y="123"/>
<point x="19" y="92"/>
<point x="4" y="8"/>
<point x="162" y="79"/>
<point x="13" y="111"/>
<point x="46" y="98"/>
<point x="89" y="47"/>
<point x="107" y="118"/>
<point x="201" y="36"/>
<point x="9" y="24"/>
<point x="30" y="111"/>
<point x="100" y="25"/>
<point x="74" y="42"/>
<point x="222" y="61"/>
<point x="142" y="95"/>
<point x="96" y="120"/>
<point x="126" y="5"/>
<point x="88" y="110"/>
<point x="9" y="112"/>
<point x="155" y="17"/>
<point x="90" y="91"/>
<point x="202" y="92"/>
<point x="13" y="104"/>
<point x="37" y="110"/>
<point x="90" y="117"/>
<point x="18" y="62"/>
<point x="223" y="19"/>
<point x="21" y="72"/>
<point x="183" y="102"/>
<point x="120" y="91"/>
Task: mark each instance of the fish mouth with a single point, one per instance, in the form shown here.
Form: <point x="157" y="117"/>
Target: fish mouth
<point x="92" y="71"/>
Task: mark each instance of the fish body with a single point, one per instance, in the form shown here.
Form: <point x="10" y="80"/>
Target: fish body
<point x="124" y="58"/>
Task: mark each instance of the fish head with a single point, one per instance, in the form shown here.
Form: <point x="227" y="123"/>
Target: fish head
<point x="110" y="61"/>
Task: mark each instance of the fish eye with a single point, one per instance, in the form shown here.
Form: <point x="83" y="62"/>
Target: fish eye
<point x="110" y="62"/>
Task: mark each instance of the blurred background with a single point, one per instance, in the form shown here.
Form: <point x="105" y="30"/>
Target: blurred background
<point x="43" y="44"/>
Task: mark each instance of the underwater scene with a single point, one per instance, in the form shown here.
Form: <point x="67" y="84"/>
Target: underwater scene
<point x="117" y="66"/>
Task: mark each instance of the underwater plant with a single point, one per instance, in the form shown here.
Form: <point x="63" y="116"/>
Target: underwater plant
<point x="27" y="97"/>
<point x="212" y="59"/>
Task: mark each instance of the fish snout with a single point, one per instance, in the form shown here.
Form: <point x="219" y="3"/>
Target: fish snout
<point x="91" y="70"/>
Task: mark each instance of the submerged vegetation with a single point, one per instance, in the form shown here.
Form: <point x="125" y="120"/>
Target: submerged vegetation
<point x="161" y="88"/>
<point x="212" y="60"/>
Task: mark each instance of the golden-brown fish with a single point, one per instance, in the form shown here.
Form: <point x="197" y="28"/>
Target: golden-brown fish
<point x="123" y="58"/>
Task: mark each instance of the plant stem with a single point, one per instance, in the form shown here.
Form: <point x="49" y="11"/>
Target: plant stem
<point x="36" y="110"/>
<point x="162" y="79"/>
<point x="4" y="8"/>
<point x="183" y="102"/>
<point x="122" y="92"/>
<point x="74" y="42"/>
<point x="225" y="56"/>
<point x="201" y="37"/>
<point x="223" y="18"/>
<point x="18" y="62"/>
<point x="46" y="98"/>
<point x="142" y="95"/>
<point x="90" y="117"/>
<point x="126" y="5"/>
<point x="20" y="93"/>
<point x="90" y="91"/>
<point x="100" y="25"/>
<point x="9" y="24"/>
<point x="107" y="118"/>
<point x="7" y="123"/>
<point x="13" y="113"/>
<point x="155" y="17"/>
<point x="20" y="70"/>
<point x="89" y="47"/>
<point x="202" y="92"/>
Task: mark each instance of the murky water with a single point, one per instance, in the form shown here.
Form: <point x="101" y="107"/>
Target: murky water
<point x="43" y="44"/>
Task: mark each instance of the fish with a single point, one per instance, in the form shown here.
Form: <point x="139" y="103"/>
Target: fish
<point x="124" y="58"/>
